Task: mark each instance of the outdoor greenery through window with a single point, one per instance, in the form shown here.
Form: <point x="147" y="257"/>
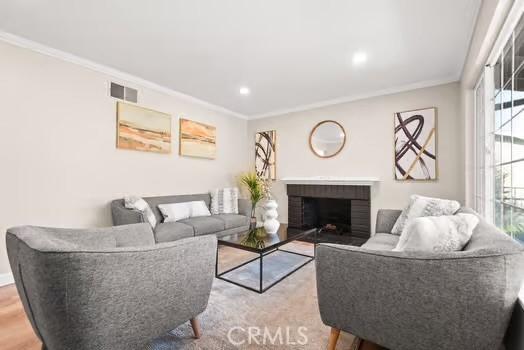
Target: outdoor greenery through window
<point x="505" y="133"/>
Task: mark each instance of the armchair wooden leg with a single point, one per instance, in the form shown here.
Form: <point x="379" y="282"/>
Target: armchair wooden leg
<point x="333" y="338"/>
<point x="196" y="327"/>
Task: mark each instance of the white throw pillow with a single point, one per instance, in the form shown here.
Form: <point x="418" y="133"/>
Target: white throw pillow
<point x="175" y="211"/>
<point x="424" y="206"/>
<point x="184" y="210"/>
<point x="138" y="203"/>
<point x="224" y="201"/>
<point x="437" y="234"/>
<point x="199" y="208"/>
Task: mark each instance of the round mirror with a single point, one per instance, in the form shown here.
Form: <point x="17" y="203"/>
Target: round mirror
<point x="327" y="139"/>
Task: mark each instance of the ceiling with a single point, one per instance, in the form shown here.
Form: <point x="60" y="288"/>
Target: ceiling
<point x="290" y="53"/>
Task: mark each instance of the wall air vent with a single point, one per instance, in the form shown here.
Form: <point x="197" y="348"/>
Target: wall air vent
<point x="123" y="92"/>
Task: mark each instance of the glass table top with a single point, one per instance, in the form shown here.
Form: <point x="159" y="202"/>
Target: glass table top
<point x="258" y="240"/>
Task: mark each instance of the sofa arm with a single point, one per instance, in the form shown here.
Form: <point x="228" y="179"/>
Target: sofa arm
<point x="124" y="216"/>
<point x="386" y="219"/>
<point x="118" y="298"/>
<point x="451" y="301"/>
<point x="244" y="207"/>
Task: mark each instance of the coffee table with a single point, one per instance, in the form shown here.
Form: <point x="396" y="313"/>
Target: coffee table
<point x="263" y="244"/>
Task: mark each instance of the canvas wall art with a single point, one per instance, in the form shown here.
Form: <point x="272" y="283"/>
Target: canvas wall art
<point x="143" y="129"/>
<point x="416" y="145"/>
<point x="265" y="154"/>
<point x="197" y="139"/>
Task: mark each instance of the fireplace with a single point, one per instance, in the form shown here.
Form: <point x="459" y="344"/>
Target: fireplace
<point x="330" y="214"/>
<point x="341" y="212"/>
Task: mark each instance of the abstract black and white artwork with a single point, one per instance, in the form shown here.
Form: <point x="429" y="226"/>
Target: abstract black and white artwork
<point x="416" y="145"/>
<point x="265" y="154"/>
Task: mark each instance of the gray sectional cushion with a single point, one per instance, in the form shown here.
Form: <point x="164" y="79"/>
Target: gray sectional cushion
<point x="138" y="203"/>
<point x="488" y="237"/>
<point x="381" y="241"/>
<point x="65" y="239"/>
<point x="135" y="235"/>
<point x="386" y="219"/>
<point x="233" y="220"/>
<point x="172" y="231"/>
<point x="204" y="224"/>
<point x="123" y="216"/>
<point x="155" y="201"/>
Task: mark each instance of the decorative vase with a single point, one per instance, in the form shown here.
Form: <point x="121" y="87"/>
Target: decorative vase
<point x="271" y="223"/>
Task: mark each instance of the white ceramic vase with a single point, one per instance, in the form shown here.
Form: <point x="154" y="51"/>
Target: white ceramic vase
<point x="271" y="223"/>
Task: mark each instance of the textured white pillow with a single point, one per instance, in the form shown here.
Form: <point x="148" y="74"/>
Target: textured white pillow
<point x="199" y="208"/>
<point x="138" y="203"/>
<point x="424" y="206"/>
<point x="184" y="210"/>
<point x="224" y="201"/>
<point x="437" y="234"/>
<point x="175" y="211"/>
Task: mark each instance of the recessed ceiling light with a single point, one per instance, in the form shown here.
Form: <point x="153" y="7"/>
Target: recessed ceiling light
<point x="244" y="91"/>
<point x="359" y="58"/>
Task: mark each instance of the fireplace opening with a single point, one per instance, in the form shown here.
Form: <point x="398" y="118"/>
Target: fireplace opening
<point x="341" y="213"/>
<point x="329" y="215"/>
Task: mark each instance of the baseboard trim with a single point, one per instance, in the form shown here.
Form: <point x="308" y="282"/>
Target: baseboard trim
<point x="5" y="279"/>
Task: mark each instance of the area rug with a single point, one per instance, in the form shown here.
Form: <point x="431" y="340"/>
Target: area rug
<point x="248" y="274"/>
<point x="284" y="317"/>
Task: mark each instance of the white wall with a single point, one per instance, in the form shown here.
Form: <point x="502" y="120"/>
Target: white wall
<point x="369" y="149"/>
<point x="60" y="165"/>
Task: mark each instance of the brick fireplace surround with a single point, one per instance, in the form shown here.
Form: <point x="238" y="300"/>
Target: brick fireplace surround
<point x="340" y="207"/>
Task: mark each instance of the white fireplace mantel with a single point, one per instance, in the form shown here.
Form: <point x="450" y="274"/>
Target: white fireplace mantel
<point x="331" y="180"/>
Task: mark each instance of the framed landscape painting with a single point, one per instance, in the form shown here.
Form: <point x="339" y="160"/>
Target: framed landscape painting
<point x="416" y="145"/>
<point x="143" y="129"/>
<point x="197" y="139"/>
<point x="265" y="154"/>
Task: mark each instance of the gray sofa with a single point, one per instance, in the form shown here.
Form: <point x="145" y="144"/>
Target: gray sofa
<point x="108" y="288"/>
<point x="414" y="301"/>
<point x="219" y="225"/>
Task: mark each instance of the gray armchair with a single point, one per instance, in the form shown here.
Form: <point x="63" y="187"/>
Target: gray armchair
<point x="460" y="300"/>
<point x="109" y="288"/>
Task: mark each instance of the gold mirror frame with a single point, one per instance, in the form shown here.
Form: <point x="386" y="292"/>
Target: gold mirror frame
<point x="316" y="127"/>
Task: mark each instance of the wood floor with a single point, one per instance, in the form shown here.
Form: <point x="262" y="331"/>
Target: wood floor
<point x="15" y="330"/>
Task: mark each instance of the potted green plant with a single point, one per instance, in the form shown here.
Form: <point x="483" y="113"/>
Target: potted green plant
<point x="255" y="186"/>
<point x="255" y="238"/>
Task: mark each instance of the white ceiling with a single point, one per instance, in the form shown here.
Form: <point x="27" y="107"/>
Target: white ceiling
<point x="290" y="53"/>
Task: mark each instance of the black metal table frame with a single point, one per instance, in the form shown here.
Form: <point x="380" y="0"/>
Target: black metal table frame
<point x="261" y="256"/>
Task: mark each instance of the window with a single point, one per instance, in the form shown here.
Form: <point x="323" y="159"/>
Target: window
<point x="499" y="131"/>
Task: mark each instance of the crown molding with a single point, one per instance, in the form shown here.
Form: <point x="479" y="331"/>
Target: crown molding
<point x="351" y="98"/>
<point x="68" y="57"/>
<point x="501" y="27"/>
<point x="471" y="35"/>
<point x="117" y="74"/>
